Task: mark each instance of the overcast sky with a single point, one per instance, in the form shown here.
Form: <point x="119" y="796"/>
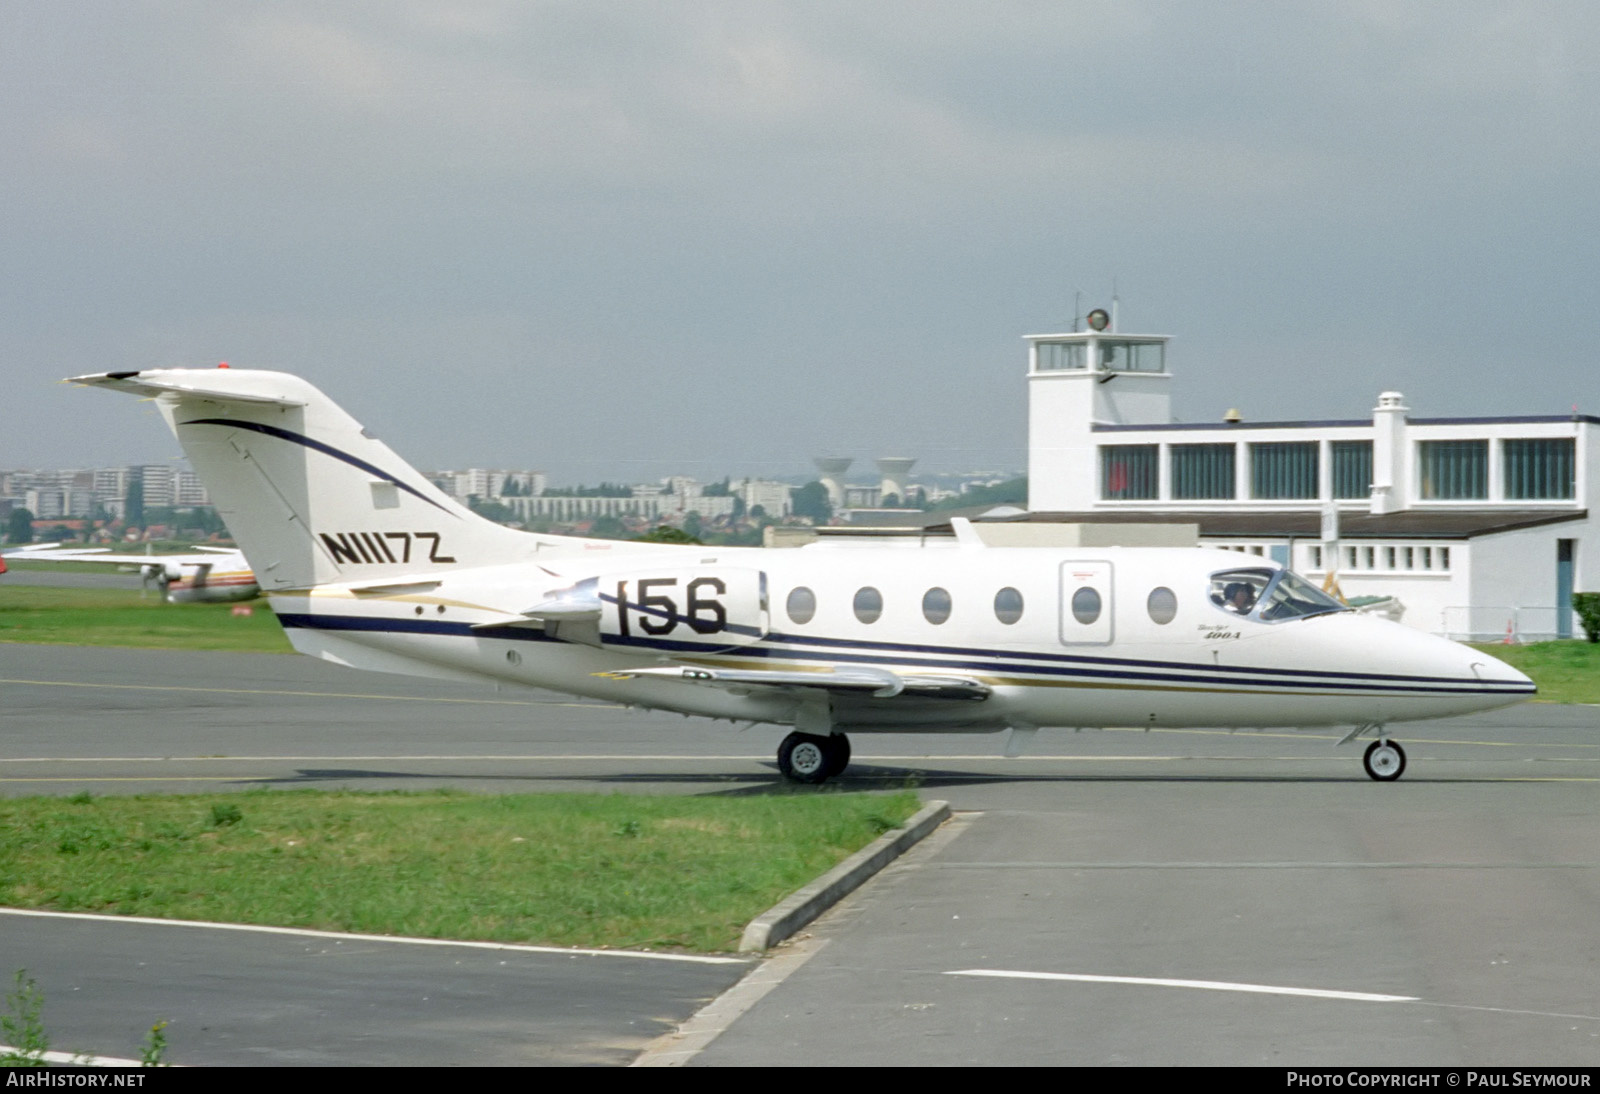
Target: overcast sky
<point x="614" y="240"/>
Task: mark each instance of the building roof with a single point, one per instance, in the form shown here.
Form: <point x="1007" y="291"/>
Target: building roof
<point x="1338" y="423"/>
<point x="1307" y="523"/>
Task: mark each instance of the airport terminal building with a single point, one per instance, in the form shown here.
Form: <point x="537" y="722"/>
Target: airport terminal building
<point x="1475" y="526"/>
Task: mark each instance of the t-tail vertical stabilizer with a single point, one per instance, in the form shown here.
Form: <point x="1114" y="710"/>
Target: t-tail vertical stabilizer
<point x="308" y="495"/>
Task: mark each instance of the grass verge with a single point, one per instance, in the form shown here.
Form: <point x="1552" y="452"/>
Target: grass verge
<point x="1566" y="672"/>
<point x="563" y="869"/>
<point x="53" y="615"/>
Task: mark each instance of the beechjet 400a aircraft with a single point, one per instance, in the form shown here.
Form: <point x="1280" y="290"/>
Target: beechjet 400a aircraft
<point x="368" y="564"/>
<point x="205" y="575"/>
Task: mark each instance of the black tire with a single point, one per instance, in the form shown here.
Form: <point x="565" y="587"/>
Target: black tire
<point x="838" y="747"/>
<point x="803" y="758"/>
<point x="1384" y="760"/>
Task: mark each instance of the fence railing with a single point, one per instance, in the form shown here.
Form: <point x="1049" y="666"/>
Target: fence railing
<point x="1494" y="623"/>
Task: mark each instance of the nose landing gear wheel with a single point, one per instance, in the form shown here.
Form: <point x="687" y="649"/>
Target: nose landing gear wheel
<point x="1385" y="761"/>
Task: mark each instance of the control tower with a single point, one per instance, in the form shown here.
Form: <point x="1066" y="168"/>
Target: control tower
<point x="1081" y="384"/>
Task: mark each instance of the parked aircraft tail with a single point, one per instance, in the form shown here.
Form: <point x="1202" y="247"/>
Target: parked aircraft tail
<point x="308" y="495"/>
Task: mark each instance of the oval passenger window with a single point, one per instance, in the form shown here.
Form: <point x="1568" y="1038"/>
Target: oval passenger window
<point x="868" y="604"/>
<point x="936" y="605"/>
<point x="1162" y="605"/>
<point x="802" y="604"/>
<point x="1008" y="605"/>
<point x="1086" y="605"/>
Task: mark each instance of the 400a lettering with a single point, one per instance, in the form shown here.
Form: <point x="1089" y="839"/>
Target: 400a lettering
<point x="382" y="548"/>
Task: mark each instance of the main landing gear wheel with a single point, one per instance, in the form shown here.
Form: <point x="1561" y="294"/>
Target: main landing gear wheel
<point x="1385" y="760"/>
<point x="809" y="758"/>
<point x="803" y="758"/>
<point x="838" y="748"/>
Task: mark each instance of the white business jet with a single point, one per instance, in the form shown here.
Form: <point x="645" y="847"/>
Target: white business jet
<point x="204" y="575"/>
<point x="367" y="564"/>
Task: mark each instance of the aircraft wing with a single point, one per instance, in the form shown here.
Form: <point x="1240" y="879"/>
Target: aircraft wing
<point x="877" y="683"/>
<point x="214" y="556"/>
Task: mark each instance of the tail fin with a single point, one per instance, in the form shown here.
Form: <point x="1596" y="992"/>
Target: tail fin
<point x="308" y="495"/>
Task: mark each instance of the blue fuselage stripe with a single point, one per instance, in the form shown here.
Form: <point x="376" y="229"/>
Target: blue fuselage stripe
<point x="1109" y="670"/>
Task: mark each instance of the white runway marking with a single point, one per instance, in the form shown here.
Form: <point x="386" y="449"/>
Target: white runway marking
<point x="1203" y="985"/>
<point x="318" y="694"/>
<point x="346" y="936"/>
<point x="72" y="1059"/>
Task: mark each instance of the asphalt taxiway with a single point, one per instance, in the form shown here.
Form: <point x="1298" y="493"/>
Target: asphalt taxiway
<point x="1110" y="897"/>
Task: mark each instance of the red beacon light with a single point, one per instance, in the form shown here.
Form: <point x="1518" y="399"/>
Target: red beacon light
<point x="222" y="364"/>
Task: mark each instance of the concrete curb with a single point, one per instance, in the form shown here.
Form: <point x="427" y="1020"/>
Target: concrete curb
<point x="802" y="906"/>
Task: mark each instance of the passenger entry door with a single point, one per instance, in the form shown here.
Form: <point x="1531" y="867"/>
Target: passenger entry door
<point x="1086" y="604"/>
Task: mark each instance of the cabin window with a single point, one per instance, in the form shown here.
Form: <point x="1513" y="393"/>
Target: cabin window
<point x="1008" y="605"/>
<point x="1162" y="605"/>
<point x="1086" y="605"/>
<point x="802" y="604"/>
<point x="868" y="604"/>
<point x="936" y="605"/>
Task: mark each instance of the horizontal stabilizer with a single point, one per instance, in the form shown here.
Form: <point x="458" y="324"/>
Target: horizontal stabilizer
<point x="192" y="383"/>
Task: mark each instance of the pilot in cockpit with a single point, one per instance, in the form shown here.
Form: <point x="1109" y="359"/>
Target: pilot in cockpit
<point x="1239" y="597"/>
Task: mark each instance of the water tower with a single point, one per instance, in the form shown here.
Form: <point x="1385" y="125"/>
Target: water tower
<point x="894" y="470"/>
<point x="831" y="471"/>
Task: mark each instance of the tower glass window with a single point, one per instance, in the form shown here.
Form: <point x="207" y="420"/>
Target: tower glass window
<point x="1454" y="470"/>
<point x="1057" y="356"/>
<point x="1287" y="470"/>
<point x="1129" y="472"/>
<point x="1119" y="356"/>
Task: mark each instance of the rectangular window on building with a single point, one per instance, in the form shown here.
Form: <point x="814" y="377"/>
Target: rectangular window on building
<point x="1369" y="557"/>
<point x="1202" y="472"/>
<point x="1427" y="558"/>
<point x="1352" y="469"/>
<point x="1540" y="470"/>
<point x="1128" y="472"/>
<point x="1409" y="554"/>
<point x="1444" y="558"/>
<point x="1119" y="356"/>
<point x="1349" y="558"/>
<point x="1057" y="356"/>
<point x="1316" y="558"/>
<point x="1284" y="470"/>
<point x="1388" y="558"/>
<point x="1454" y="470"/>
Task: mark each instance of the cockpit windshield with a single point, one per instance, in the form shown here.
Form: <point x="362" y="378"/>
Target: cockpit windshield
<point x="1269" y="596"/>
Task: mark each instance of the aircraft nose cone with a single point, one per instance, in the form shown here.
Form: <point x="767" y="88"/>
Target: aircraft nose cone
<point x="1492" y="670"/>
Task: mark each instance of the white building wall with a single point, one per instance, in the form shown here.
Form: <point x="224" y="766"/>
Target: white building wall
<point x="1514" y="581"/>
